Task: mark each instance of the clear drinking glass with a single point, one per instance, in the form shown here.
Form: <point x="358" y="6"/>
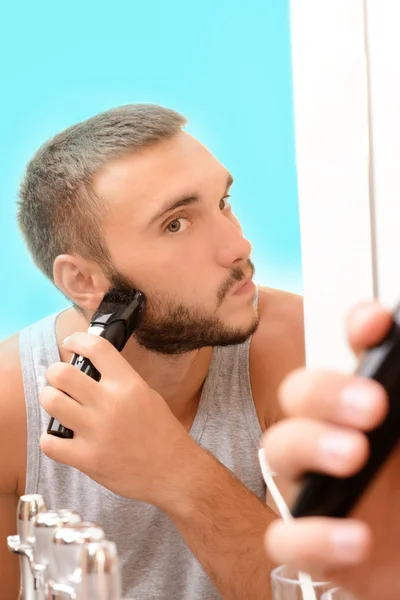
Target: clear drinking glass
<point x="286" y="585"/>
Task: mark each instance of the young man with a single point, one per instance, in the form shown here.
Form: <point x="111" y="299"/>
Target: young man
<point x="328" y="416"/>
<point x="164" y="456"/>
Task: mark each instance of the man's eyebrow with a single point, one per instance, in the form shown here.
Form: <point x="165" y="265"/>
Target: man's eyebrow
<point x="172" y="205"/>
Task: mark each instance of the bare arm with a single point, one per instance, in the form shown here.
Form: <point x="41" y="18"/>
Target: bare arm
<point x="12" y="452"/>
<point x="223" y="523"/>
<point x="9" y="565"/>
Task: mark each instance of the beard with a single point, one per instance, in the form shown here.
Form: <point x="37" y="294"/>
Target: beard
<point x="170" y="327"/>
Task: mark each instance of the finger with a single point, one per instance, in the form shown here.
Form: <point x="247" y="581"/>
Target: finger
<point x="295" y="446"/>
<point x="64" y="409"/>
<point x="318" y="544"/>
<point x="366" y="325"/>
<point x="343" y="399"/>
<point x="107" y="360"/>
<point x="72" y="452"/>
<point x="72" y="381"/>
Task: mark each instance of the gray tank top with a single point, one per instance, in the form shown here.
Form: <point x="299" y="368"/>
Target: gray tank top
<point x="155" y="562"/>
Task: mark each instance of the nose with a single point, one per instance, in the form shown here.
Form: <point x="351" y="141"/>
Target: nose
<point x="232" y="247"/>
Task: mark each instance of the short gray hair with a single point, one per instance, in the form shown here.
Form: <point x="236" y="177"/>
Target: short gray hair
<point x="58" y="211"/>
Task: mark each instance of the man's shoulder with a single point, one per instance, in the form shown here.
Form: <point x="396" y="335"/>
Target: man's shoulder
<point x="9" y="348"/>
<point x="281" y="315"/>
<point x="9" y="359"/>
<point x="277" y="347"/>
<point x="276" y="306"/>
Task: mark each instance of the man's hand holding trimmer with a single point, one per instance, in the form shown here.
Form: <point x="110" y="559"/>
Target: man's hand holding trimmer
<point x="125" y="436"/>
<point x="329" y="414"/>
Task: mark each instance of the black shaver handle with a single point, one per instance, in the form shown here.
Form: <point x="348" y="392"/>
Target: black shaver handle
<point x="324" y="495"/>
<point x="116" y="334"/>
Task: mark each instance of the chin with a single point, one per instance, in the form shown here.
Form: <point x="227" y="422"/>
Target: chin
<point x="246" y="321"/>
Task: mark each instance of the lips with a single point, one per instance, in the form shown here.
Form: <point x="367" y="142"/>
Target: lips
<point x="243" y="283"/>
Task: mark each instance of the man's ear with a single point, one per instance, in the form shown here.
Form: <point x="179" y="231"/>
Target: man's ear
<point x="81" y="280"/>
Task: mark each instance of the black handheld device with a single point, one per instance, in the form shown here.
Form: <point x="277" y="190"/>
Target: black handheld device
<point x="324" y="495"/>
<point x="116" y="318"/>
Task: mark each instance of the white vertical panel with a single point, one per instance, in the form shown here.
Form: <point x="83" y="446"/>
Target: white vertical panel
<point x="331" y="127"/>
<point x="383" y="19"/>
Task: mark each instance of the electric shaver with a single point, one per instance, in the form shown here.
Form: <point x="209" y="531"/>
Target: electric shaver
<point x="115" y="320"/>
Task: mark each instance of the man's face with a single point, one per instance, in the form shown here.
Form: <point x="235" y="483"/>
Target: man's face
<point x="171" y="234"/>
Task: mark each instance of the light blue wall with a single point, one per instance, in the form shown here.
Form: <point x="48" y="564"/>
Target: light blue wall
<point x="223" y="63"/>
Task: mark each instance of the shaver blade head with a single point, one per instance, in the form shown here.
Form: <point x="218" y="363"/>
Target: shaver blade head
<point x="122" y="295"/>
<point x="29" y="507"/>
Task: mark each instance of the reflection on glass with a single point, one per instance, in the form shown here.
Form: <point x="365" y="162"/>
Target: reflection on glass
<point x="286" y="585"/>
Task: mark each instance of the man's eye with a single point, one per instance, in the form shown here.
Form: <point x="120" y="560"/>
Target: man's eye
<point x="176" y="225"/>
<point x="224" y="202"/>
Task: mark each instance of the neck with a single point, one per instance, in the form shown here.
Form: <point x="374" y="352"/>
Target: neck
<point x="178" y="379"/>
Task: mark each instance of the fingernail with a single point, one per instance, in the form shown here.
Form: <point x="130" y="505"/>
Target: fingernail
<point x="357" y="402"/>
<point x="67" y="341"/>
<point x="336" y="448"/>
<point x="350" y="543"/>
